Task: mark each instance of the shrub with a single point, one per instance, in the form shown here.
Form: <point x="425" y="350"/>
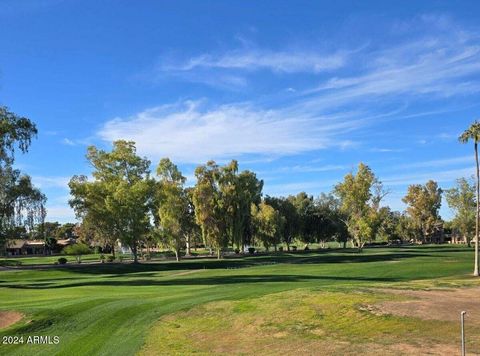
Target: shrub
<point x="102" y="258"/>
<point x="306" y="248"/>
<point x="280" y="249"/>
<point x="294" y="248"/>
<point x="251" y="250"/>
<point x="62" y="260"/>
<point x="110" y="258"/>
<point x="77" y="250"/>
<point x="237" y="251"/>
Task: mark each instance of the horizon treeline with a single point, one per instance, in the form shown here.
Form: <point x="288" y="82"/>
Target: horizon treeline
<point x="226" y="208"/>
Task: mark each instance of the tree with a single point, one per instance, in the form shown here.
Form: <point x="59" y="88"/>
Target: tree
<point x="306" y="216"/>
<point x="21" y="204"/>
<point x="360" y="197"/>
<point x="222" y="198"/>
<point x="473" y="133"/>
<point x="268" y="225"/>
<point x="209" y="206"/>
<point x="89" y="202"/>
<point x="15" y="131"/>
<point x="291" y="224"/>
<point x="330" y="225"/>
<point x="66" y="231"/>
<point x="77" y="250"/>
<point x="117" y="202"/>
<point x="174" y="208"/>
<point x="424" y="203"/>
<point x="462" y="200"/>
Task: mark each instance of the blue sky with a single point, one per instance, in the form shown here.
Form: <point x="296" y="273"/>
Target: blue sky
<point x="298" y="91"/>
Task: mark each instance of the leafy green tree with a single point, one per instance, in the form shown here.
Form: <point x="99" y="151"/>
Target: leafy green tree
<point x="360" y="197"/>
<point x="268" y="225"/>
<point x="329" y="224"/>
<point x="462" y="200"/>
<point x="117" y="201"/>
<point x="65" y="231"/>
<point x="174" y="207"/>
<point x="21" y="204"/>
<point x="15" y="132"/>
<point x="77" y="250"/>
<point x="98" y="225"/>
<point x="210" y="207"/>
<point x="473" y="134"/>
<point x="291" y="226"/>
<point x="306" y="216"/>
<point x="424" y="203"/>
<point x="50" y="244"/>
<point x="222" y="200"/>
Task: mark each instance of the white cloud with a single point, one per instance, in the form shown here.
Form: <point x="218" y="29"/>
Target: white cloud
<point x="68" y="142"/>
<point x="50" y="182"/>
<point x="61" y="213"/>
<point x="287" y="61"/>
<point x="444" y="162"/>
<point x="443" y="176"/>
<point x="437" y="68"/>
<point x="191" y="133"/>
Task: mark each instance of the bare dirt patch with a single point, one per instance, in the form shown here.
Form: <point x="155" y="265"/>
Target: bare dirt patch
<point x="433" y="304"/>
<point x="8" y="318"/>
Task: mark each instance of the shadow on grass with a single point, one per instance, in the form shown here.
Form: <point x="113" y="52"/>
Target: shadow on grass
<point x="237" y="263"/>
<point x="218" y="280"/>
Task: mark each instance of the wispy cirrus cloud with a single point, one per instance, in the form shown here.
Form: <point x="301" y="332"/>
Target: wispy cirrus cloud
<point x="254" y="59"/>
<point x="441" y="176"/>
<point x="191" y="132"/>
<point x="51" y="181"/>
<point x="357" y="89"/>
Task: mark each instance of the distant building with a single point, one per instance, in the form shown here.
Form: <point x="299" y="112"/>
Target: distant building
<point x="66" y="242"/>
<point x="21" y="247"/>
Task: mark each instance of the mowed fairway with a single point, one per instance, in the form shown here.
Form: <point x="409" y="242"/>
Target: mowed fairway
<point x="333" y="301"/>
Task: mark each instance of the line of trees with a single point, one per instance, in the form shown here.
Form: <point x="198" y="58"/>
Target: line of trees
<point x="226" y="209"/>
<point x="125" y="202"/>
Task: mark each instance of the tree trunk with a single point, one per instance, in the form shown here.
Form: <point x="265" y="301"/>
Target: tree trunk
<point x="219" y="254"/>
<point x="475" y="269"/>
<point x="189" y="249"/>
<point x="177" y="256"/>
<point x="134" y="251"/>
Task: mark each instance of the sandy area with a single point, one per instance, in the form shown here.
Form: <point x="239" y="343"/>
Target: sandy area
<point x="8" y="318"/>
<point x="435" y="304"/>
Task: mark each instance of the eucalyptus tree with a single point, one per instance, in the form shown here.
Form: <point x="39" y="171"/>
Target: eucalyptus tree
<point x="21" y="204"/>
<point x="268" y="225"/>
<point x="424" y="202"/>
<point x="360" y="195"/>
<point x="174" y="207"/>
<point x="222" y="201"/>
<point x="287" y="209"/>
<point x="241" y="190"/>
<point x="473" y="134"/>
<point x="461" y="199"/>
<point x="118" y="198"/>
<point x="210" y="208"/>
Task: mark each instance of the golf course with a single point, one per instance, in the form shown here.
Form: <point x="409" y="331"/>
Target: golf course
<point x="404" y="300"/>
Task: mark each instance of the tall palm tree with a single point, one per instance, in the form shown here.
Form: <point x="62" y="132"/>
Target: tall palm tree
<point x="473" y="133"/>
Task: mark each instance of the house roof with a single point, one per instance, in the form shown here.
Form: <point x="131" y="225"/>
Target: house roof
<point x="65" y="242"/>
<point x="19" y="243"/>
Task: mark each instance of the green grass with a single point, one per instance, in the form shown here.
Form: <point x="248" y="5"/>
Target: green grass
<point x="45" y="260"/>
<point x="109" y="309"/>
